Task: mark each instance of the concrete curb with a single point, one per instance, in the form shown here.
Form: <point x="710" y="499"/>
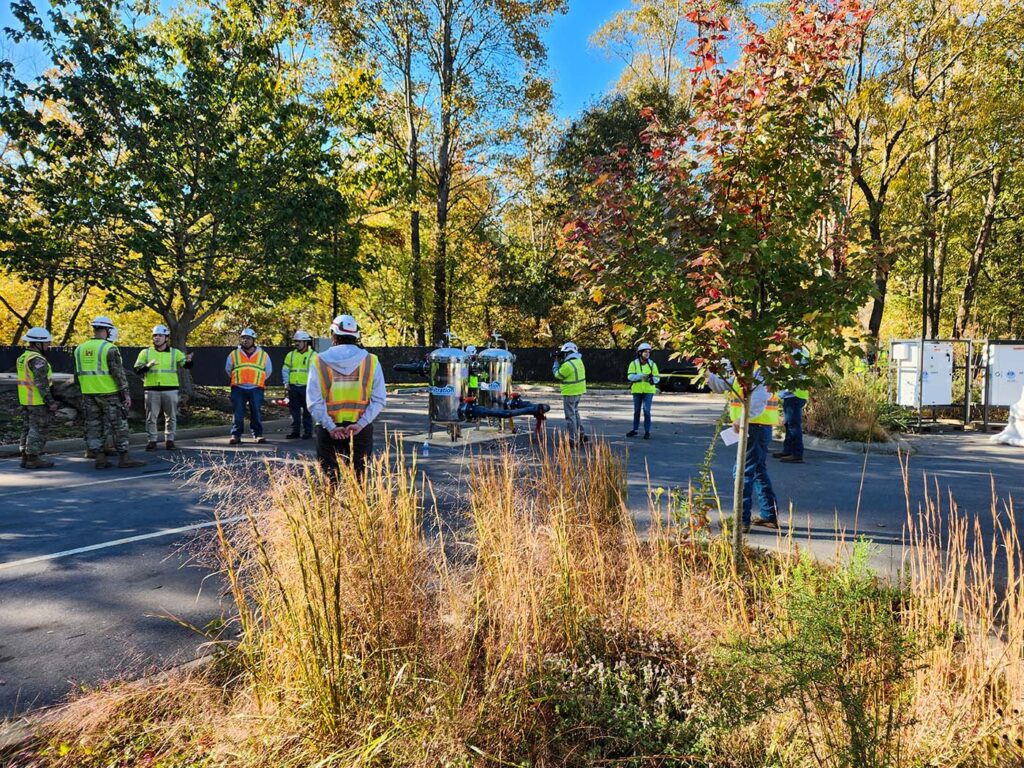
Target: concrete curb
<point x="140" y="438"/>
<point x="827" y="445"/>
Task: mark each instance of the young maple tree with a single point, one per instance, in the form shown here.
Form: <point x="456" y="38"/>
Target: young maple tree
<point x="735" y="243"/>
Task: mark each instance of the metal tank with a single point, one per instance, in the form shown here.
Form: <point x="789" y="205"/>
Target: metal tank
<point x="449" y="383"/>
<point x="495" y="366"/>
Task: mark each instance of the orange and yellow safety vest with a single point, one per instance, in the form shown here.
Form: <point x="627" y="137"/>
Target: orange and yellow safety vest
<point x="249" y="370"/>
<point x="28" y="392"/>
<point x="347" y="395"/>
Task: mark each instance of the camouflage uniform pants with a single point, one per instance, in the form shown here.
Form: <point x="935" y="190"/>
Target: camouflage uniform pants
<point x="35" y="428"/>
<point x="103" y="415"/>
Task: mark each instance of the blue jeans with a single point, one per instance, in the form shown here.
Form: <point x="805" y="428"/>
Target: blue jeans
<point x="759" y="437"/>
<point x="239" y="399"/>
<point x="645" y="400"/>
<point x="793" y="419"/>
<point x="300" y="413"/>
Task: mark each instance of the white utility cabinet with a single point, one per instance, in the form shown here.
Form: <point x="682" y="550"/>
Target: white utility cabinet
<point x="1006" y="369"/>
<point x="937" y="381"/>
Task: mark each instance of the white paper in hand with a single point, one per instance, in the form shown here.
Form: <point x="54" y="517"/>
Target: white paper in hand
<point x="730" y="436"/>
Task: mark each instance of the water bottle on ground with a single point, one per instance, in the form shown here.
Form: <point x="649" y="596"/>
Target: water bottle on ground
<point x="425" y="453"/>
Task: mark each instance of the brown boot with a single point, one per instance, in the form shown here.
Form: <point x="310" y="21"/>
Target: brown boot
<point x="151" y="445"/>
<point x="127" y="462"/>
<point x="90" y="453"/>
<point x="102" y="462"/>
<point x="110" y="450"/>
<point x="32" y="461"/>
<point x="169" y="445"/>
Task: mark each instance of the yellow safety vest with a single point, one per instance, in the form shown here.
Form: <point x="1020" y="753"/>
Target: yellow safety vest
<point x="573" y="376"/>
<point x="28" y="392"/>
<point x="92" y="368"/>
<point x="347" y="395"/>
<point x="249" y="370"/>
<point x="165" y="372"/>
<point x="643" y="387"/>
<point x="297" y="364"/>
<point x="769" y="416"/>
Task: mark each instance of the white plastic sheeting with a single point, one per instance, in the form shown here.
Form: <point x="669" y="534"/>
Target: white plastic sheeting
<point x="1014" y="432"/>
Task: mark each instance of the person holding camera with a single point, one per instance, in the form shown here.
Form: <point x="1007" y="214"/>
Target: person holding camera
<point x="643" y="375"/>
<point x="571" y="375"/>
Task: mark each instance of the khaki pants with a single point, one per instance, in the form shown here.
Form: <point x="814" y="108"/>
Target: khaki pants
<point x="573" y="422"/>
<point x="157" y="401"/>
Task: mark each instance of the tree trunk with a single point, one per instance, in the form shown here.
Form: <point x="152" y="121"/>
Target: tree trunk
<point x="69" y="330"/>
<point x="737" y="486"/>
<point x="51" y="299"/>
<point x="881" y="275"/>
<point x="941" y="253"/>
<point x="444" y="173"/>
<point x="412" y="160"/>
<point x="24" y="320"/>
<point x="963" y="313"/>
<point x="180" y="327"/>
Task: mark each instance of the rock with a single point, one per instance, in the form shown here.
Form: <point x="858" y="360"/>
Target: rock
<point x="66" y="414"/>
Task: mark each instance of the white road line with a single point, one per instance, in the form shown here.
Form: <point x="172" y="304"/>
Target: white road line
<point x="63" y="488"/>
<point x="117" y="542"/>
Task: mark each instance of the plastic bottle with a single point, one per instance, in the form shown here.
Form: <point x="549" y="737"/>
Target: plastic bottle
<point x="426" y="449"/>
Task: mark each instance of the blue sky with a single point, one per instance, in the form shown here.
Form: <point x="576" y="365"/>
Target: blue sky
<point x="580" y="73"/>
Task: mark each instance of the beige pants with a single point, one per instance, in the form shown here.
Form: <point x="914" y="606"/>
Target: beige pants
<point x="166" y="401"/>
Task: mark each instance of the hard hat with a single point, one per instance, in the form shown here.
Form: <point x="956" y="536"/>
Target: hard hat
<point x="644" y="346"/>
<point x="345" y="325"/>
<point x="163" y="330"/>
<point x="112" y="336"/>
<point x="37" y="335"/>
<point x="568" y="347"/>
<point x="248" y="332"/>
<point x="103" y="322"/>
<point x="470" y="349"/>
<point x="302" y="336"/>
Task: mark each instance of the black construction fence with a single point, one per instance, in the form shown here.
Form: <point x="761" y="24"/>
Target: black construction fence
<point x="532" y="364"/>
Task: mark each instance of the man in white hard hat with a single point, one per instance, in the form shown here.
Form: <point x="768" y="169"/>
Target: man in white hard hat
<point x="295" y="373"/>
<point x="345" y="393"/>
<point x="35" y="398"/>
<point x="571" y="375"/>
<point x="158" y="366"/>
<point x="248" y="367"/>
<point x="105" y="396"/>
<point x="643" y="376"/>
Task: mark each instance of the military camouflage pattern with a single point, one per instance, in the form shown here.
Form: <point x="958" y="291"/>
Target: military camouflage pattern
<point x="37" y="370"/>
<point x="35" y="428"/>
<point x="117" y="368"/>
<point x="105" y="415"/>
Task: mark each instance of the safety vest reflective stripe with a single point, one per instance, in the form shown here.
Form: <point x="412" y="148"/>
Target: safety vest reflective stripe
<point x="92" y="368"/>
<point x="161" y="375"/>
<point x="298" y="366"/>
<point x="28" y="392"/>
<point x="347" y="395"/>
<point x="643" y="387"/>
<point x="577" y="371"/>
<point x="249" y="370"/>
<point x="770" y="415"/>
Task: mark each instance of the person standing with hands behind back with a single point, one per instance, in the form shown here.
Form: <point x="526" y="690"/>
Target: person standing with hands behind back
<point x="643" y="373"/>
<point x="249" y="367"/>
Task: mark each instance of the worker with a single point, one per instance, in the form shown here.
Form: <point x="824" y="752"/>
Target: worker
<point x="295" y="373"/>
<point x="105" y="396"/>
<point x="158" y="365"/>
<point x="345" y="393"/>
<point x="571" y="374"/>
<point x="35" y="398"/>
<point x="764" y="414"/>
<point x="248" y="367"/>
<point x="793" y="403"/>
<point x="643" y="373"/>
<point x="474" y="376"/>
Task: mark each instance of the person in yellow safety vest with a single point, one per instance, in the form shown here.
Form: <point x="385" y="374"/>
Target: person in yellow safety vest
<point x="474" y="376"/>
<point x="158" y="366"/>
<point x="345" y="393"/>
<point x="105" y="397"/>
<point x="643" y="373"/>
<point x="571" y="374"/>
<point x="35" y="398"/>
<point x="793" y="403"/>
<point x="248" y="367"/>
<point x="764" y="414"/>
<point x="295" y="373"/>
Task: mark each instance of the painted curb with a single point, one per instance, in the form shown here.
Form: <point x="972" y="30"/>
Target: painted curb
<point x="140" y="438"/>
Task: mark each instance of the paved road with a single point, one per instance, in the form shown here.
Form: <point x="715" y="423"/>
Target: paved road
<point x="78" y="617"/>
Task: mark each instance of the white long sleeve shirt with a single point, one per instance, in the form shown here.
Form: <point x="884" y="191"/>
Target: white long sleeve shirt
<point x="758" y="400"/>
<point x="268" y="367"/>
<point x="344" y="358"/>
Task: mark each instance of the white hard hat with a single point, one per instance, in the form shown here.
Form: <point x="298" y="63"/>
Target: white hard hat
<point x="345" y="325"/>
<point x="568" y="347"/>
<point x="35" y="335"/>
<point x="102" y="322"/>
<point x="470" y="349"/>
<point x="163" y="330"/>
<point x="112" y="335"/>
<point x="248" y="332"/>
<point x="644" y="346"/>
<point x="302" y="336"/>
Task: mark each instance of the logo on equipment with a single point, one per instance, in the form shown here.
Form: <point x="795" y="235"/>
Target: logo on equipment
<point x="442" y="391"/>
<point x="494" y="386"/>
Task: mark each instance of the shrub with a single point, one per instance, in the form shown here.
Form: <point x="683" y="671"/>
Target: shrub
<point x="854" y="407"/>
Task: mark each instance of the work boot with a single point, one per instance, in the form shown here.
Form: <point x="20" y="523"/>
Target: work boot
<point x="292" y="436"/>
<point x="632" y="433"/>
<point x="32" y="461"/>
<point x="234" y="440"/>
<point x="169" y="445"/>
<point x="647" y="435"/>
<point x="102" y="462"/>
<point x="151" y="445"/>
<point x="128" y="462"/>
<point x="110" y="450"/>
<point x="261" y="440"/>
<point x="90" y="453"/>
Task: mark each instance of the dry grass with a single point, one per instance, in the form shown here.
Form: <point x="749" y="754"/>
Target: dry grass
<point x="536" y="632"/>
